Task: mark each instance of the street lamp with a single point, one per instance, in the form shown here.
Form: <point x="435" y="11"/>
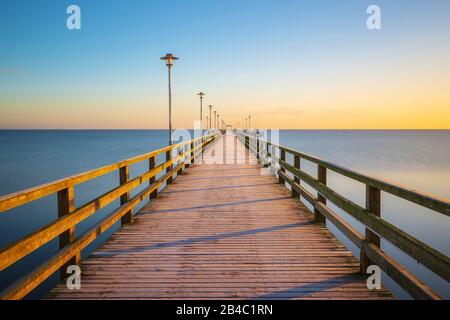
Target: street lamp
<point x="210" y="127"/>
<point x="246" y="123"/>
<point x="249" y="125"/>
<point x="215" y="119"/>
<point x="218" y="123"/>
<point x="170" y="58"/>
<point x="201" y="95"/>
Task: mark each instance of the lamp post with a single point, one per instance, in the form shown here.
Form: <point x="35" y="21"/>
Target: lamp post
<point x="210" y="118"/>
<point x="215" y="119"/>
<point x="218" y="123"/>
<point x="207" y="123"/>
<point x="170" y="58"/>
<point x="245" y="123"/>
<point x="249" y="125"/>
<point x="201" y="95"/>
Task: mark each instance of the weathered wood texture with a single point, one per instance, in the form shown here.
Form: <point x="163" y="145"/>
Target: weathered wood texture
<point x="222" y="231"/>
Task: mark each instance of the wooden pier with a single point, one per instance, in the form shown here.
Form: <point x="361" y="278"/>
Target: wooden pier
<point x="222" y="231"/>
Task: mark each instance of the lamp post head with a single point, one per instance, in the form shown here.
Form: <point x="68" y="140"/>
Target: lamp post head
<point x="201" y="95"/>
<point x="169" y="58"/>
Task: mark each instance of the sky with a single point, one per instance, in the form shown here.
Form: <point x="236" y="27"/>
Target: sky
<point x="291" y="64"/>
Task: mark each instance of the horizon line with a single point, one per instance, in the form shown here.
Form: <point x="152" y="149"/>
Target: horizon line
<point x="285" y="129"/>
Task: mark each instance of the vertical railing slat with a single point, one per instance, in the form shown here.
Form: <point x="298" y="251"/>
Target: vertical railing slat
<point x="124" y="176"/>
<point x="294" y="193"/>
<point x="169" y="168"/>
<point x="373" y="205"/>
<point x="322" y="178"/>
<point x="66" y="205"/>
<point x="152" y="180"/>
<point x="282" y="158"/>
<point x="192" y="153"/>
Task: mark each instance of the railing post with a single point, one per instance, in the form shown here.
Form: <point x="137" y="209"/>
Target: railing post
<point x="66" y="206"/>
<point x="321" y="177"/>
<point x="152" y="180"/>
<point x="373" y="205"/>
<point x="267" y="163"/>
<point x="282" y="158"/>
<point x="203" y="141"/>
<point x="180" y="170"/>
<point x="124" y="175"/>
<point x="192" y="152"/>
<point x="169" y="168"/>
<point x="247" y="150"/>
<point x="294" y="193"/>
<point x="257" y="147"/>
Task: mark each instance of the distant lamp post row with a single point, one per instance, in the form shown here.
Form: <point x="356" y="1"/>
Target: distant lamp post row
<point x="247" y="122"/>
<point x="169" y="59"/>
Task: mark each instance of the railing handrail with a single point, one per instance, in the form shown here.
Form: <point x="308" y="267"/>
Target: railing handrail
<point x="69" y="216"/>
<point x="370" y="216"/>
<point x="16" y="199"/>
<point x="436" y="203"/>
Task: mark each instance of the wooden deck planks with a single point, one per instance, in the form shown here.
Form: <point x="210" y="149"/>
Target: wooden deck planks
<point x="222" y="231"/>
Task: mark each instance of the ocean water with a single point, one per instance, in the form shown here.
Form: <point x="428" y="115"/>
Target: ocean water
<point x="419" y="159"/>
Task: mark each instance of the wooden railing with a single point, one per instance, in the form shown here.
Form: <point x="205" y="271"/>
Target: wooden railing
<point x="69" y="216"/>
<point x="370" y="216"/>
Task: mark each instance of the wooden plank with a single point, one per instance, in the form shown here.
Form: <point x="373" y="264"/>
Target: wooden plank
<point x="222" y="231"/>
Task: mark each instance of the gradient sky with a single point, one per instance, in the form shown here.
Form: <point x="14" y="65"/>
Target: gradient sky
<point x="309" y="64"/>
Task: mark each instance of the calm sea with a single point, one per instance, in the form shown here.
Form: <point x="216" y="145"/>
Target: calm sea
<point x="419" y="159"/>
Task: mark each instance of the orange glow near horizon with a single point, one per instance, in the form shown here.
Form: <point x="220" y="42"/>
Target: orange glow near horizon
<point x="310" y="68"/>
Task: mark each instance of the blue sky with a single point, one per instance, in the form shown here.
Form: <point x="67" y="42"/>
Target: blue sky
<point x="269" y="55"/>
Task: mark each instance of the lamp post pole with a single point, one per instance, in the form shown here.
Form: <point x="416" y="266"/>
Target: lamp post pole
<point x="215" y="119"/>
<point x="169" y="58"/>
<point x="210" y="118"/>
<point x="201" y="95"/>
